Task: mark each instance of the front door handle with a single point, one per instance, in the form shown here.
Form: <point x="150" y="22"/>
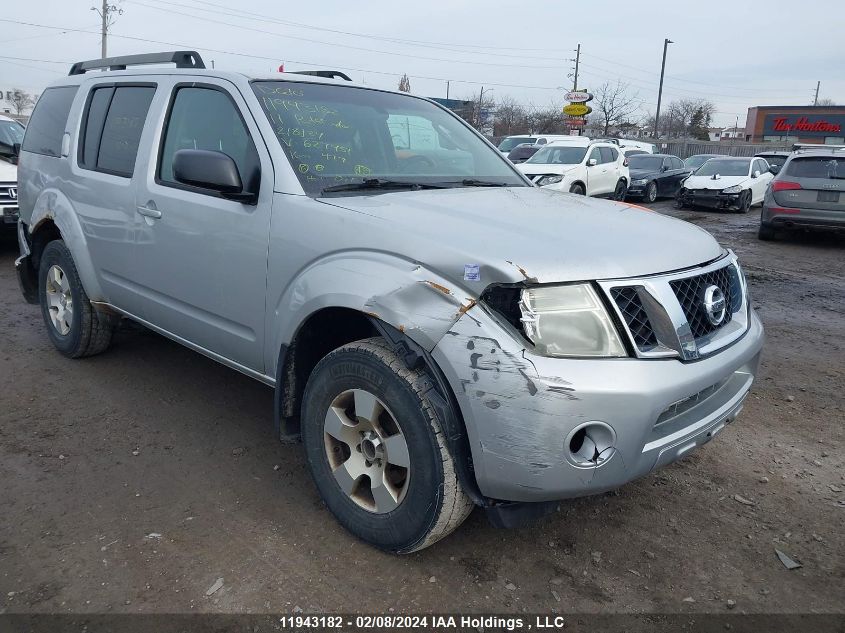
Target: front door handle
<point x="149" y="210"/>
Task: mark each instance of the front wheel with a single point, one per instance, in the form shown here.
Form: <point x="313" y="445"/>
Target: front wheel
<point x="621" y="190"/>
<point x="375" y="447"/>
<point x="650" y="194"/>
<point x="577" y="189"/>
<point x="74" y="327"/>
<point x="745" y="201"/>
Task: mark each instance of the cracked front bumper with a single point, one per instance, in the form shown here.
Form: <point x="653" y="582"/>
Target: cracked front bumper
<point x="710" y="198"/>
<point x="519" y="408"/>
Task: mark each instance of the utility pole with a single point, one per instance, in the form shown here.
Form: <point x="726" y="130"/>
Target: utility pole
<point x="106" y="13"/>
<point x="816" y="99"/>
<point x="577" y="61"/>
<point x="447" y="88"/>
<point x="666" y="43"/>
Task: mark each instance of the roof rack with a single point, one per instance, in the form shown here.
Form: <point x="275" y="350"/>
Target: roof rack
<point x="814" y="147"/>
<point x="182" y="59"/>
<point x="326" y="74"/>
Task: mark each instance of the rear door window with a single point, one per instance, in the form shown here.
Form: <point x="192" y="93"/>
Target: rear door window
<point x="121" y="134"/>
<point x="49" y="120"/>
<point x="817" y="167"/>
<point x="92" y="126"/>
<point x="608" y="155"/>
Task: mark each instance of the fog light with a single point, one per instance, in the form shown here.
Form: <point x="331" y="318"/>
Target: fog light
<point x="590" y="445"/>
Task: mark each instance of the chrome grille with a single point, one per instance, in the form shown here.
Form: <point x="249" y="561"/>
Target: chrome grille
<point x="9" y="195"/>
<point x="690" y="294"/>
<point x="631" y="306"/>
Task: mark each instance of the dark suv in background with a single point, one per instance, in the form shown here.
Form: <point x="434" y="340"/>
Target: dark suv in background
<point x="807" y="193"/>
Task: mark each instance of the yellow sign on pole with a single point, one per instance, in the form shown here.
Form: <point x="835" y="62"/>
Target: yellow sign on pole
<point x="577" y="109"/>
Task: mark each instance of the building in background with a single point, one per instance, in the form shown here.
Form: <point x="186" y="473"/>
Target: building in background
<point x="796" y="124"/>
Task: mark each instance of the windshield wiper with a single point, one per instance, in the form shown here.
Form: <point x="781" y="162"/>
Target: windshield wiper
<point x="380" y="183"/>
<point x="473" y="182"/>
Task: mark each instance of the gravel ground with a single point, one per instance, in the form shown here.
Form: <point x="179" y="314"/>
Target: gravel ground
<point x="134" y="480"/>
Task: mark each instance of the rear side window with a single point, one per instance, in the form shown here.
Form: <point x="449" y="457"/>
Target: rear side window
<point x="608" y="155"/>
<point x="112" y="127"/>
<point x="47" y="125"/>
<point x="817" y="167"/>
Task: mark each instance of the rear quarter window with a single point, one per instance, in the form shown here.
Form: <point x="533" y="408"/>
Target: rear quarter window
<point x="49" y="120"/>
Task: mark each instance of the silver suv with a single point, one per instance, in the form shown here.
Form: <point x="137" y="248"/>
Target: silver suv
<point x="439" y="332"/>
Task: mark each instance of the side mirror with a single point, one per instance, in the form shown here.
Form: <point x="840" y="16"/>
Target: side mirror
<point x="10" y="151"/>
<point x="210" y="170"/>
<point x="756" y="174"/>
<point x="774" y="169"/>
<point x="592" y="162"/>
<point x="664" y="168"/>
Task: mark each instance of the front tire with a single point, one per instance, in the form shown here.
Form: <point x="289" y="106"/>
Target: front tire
<point x="745" y="201"/>
<point x="74" y="327"/>
<point x="375" y="447"/>
<point x="577" y="189"/>
<point x="650" y="194"/>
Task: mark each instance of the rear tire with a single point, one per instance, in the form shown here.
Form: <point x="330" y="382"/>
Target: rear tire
<point x="577" y="189"/>
<point x="650" y="193"/>
<point x="621" y="190"/>
<point x="74" y="327"/>
<point x="384" y="470"/>
<point x="766" y="233"/>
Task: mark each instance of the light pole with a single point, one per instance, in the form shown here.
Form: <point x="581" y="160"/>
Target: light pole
<point x="666" y="43"/>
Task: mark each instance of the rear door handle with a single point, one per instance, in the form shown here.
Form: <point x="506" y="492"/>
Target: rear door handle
<point x="150" y="212"/>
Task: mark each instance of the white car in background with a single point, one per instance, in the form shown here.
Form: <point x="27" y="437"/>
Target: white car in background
<point x="510" y="142"/>
<point x="11" y="137"/>
<point x="734" y="183"/>
<point x="597" y="169"/>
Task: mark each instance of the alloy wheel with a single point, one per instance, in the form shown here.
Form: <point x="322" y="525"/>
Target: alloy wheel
<point x="367" y="451"/>
<point x="59" y="300"/>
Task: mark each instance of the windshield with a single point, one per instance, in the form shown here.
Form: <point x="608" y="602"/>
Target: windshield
<point x="557" y="155"/>
<point x="725" y="167"/>
<point x="339" y="135"/>
<point x="694" y="162"/>
<point x="11" y="132"/>
<point x="817" y="167"/>
<point x="512" y="141"/>
<point x="773" y="160"/>
<point x="646" y="162"/>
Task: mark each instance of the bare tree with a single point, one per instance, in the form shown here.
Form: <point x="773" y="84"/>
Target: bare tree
<point x="548" y="120"/>
<point x="405" y="84"/>
<point x="614" y="104"/>
<point x="22" y="100"/>
<point x="511" y="118"/>
<point x="826" y="102"/>
<point x="685" y="118"/>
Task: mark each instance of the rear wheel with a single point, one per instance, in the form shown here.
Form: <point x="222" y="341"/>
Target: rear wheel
<point x="375" y="447"/>
<point x="650" y="194"/>
<point x="577" y="189"/>
<point x="74" y="327"/>
<point x="621" y="190"/>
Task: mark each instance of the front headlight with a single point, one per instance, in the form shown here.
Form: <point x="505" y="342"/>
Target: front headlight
<point x="734" y="189"/>
<point x="639" y="182"/>
<point x="569" y="321"/>
<point x="549" y="180"/>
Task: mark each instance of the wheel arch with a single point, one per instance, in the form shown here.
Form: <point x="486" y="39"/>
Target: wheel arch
<point x="330" y="328"/>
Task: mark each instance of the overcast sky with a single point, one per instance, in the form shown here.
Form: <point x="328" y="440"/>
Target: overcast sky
<point x="737" y="54"/>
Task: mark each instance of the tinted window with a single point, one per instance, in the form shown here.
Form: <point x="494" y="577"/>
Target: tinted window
<point x="122" y="131"/>
<point x="646" y="162"/>
<point x="204" y="118"/>
<point x="92" y="126"/>
<point x="47" y="125"/>
<point x="595" y="155"/>
<point x="817" y="167"/>
<point x="608" y="155"/>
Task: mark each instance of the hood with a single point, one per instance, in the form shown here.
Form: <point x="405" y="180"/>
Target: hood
<point x="520" y="233"/>
<point x="8" y="171"/>
<point x="542" y="168"/>
<point x="707" y="182"/>
<point x="644" y="174"/>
